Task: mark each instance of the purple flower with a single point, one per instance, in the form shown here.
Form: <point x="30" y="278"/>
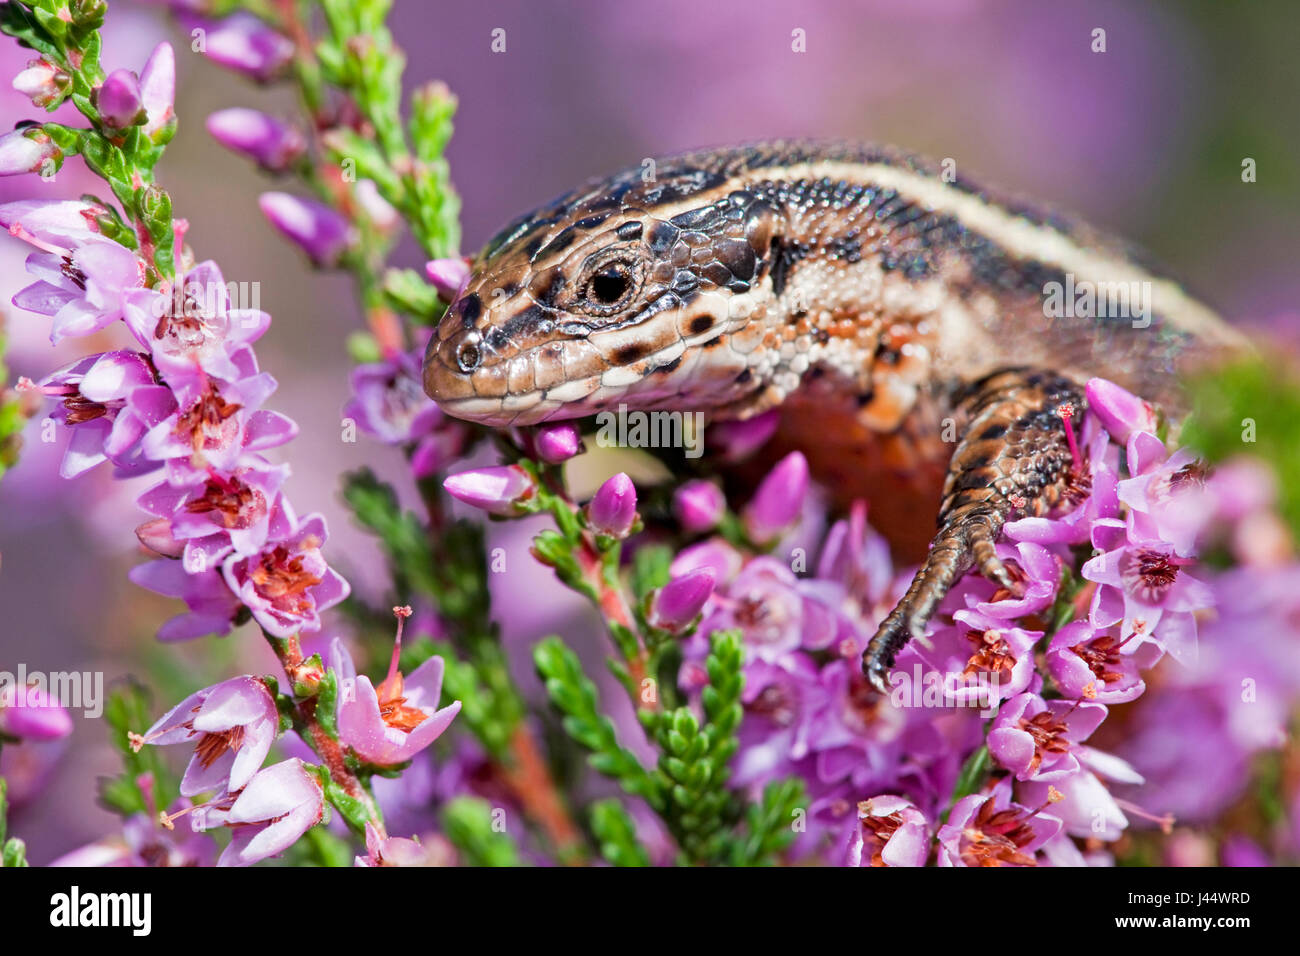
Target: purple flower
<point x="97" y="396"/>
<point x="190" y="329"/>
<point x="396" y="851"/>
<point x="448" y="276"/>
<point x="82" y="285"/>
<point x="736" y="440"/>
<point x="212" y="609"/>
<point x="778" y="500"/>
<point x="680" y="601"/>
<point x="1168" y="498"/>
<point x="891" y="831"/>
<point x="554" y="444"/>
<point x="221" y="513"/>
<point x="244" y="43"/>
<point x="314" y="227"/>
<point x="724" y="560"/>
<point x="1091" y="664"/>
<point x="391" y="723"/>
<point x="766" y="603"/>
<point x="699" y="506"/>
<point x="32" y="713"/>
<point x="287" y="585"/>
<point x="389" y="402"/>
<point x="158" y="93"/>
<point x="118" y="100"/>
<point x="498" y="490"/>
<point x="1121" y="412"/>
<point x="981" y="660"/>
<point x="1082" y="802"/>
<point x="27" y="150"/>
<point x="231" y="726"/>
<point x="1034" y="738"/>
<point x="989" y="830"/>
<point x="278" y="805"/>
<point x="1038" y="572"/>
<point x="43" y="82"/>
<point x="613" y="510"/>
<point x="274" y="145"/>
<point x="1144" y="585"/>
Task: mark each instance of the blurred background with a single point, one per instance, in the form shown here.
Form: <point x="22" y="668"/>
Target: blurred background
<point x="1146" y="139"/>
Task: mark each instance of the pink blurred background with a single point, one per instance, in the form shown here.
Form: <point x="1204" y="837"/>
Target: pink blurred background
<point x="1146" y="139"/>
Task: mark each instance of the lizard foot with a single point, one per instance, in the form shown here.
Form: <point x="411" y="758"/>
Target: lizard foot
<point x="1013" y="455"/>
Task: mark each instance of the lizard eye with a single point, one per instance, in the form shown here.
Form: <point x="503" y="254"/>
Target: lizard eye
<point x="468" y="356"/>
<point x="609" y="285"/>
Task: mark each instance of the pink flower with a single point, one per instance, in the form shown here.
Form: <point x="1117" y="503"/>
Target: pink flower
<point x="278" y="806"/>
<point x="890" y="832"/>
<point x="778" y="500"/>
<point x="31" y="713"/>
<point x="393" y="722"/>
<point x="989" y="830"/>
<point x="231" y="725"/>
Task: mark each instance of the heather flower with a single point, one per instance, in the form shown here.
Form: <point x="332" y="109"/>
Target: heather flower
<point x="1082" y="804"/>
<point x="555" y="444"/>
<point x="144" y="842"/>
<point x="613" y="510"/>
<point x="32" y="713"/>
<point x="680" y="601"/>
<point x="1037" y="572"/>
<point x="272" y="144"/>
<point x="98" y="404"/>
<point x="891" y="831"/>
<point x="231" y="726"/>
<point x="287" y="585"/>
<point x="1168" y="499"/>
<point x="736" y="440"/>
<point x="1143" y="584"/>
<point x="211" y="607"/>
<point x="189" y="327"/>
<point x="119" y="101"/>
<point x="278" y="805"/>
<point x="397" y="851"/>
<point x="715" y="554"/>
<point x="1034" y="738"/>
<point x="27" y="150"/>
<point x="391" y="723"/>
<point x="43" y="82"/>
<point x="699" y="506"/>
<point x="765" y="602"/>
<point x="223" y="512"/>
<point x="778" y="500"/>
<point x="213" y="423"/>
<point x="498" y="490"/>
<point x="82" y="277"/>
<point x="1088" y="663"/>
<point x="243" y="43"/>
<point x="158" y="93"/>
<point x="780" y="700"/>
<point x="857" y="558"/>
<point x="989" y="830"/>
<point x="388" y="400"/>
<point x="981" y="660"/>
<point x="314" y="227"/>
<point x="448" y="276"/>
<point x="1120" y="411"/>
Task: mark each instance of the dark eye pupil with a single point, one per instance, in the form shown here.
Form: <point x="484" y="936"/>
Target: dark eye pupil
<point x="609" y="286"/>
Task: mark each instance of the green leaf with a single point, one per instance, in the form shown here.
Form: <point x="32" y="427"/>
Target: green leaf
<point x="616" y="834"/>
<point x="477" y="830"/>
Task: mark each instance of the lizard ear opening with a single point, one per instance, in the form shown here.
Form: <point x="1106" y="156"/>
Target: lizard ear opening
<point x="765" y="232"/>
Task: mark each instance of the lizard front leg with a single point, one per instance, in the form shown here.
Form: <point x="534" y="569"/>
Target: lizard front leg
<point x="1013" y="455"/>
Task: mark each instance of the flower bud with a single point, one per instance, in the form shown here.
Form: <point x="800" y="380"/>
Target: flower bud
<point x="32" y="714"/>
<point x="737" y="440"/>
<point x="274" y="145"/>
<point x="118" y="100"/>
<point x="778" y="500"/>
<point x="27" y="150"/>
<point x="498" y="490"/>
<point x="613" y="510"/>
<point x="557" y="443"/>
<point x="156" y="535"/>
<point x="316" y="228"/>
<point x="158" y="93"/>
<point x="1120" y="411"/>
<point x="243" y="43"/>
<point x="680" y="601"/>
<point x="699" y="506"/>
<point x="448" y="276"/>
<point x="43" y="82"/>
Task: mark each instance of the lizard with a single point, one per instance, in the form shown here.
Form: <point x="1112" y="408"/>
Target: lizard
<point x="898" y="314"/>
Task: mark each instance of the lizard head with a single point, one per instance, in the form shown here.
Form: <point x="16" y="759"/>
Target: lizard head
<point x="627" y="291"/>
